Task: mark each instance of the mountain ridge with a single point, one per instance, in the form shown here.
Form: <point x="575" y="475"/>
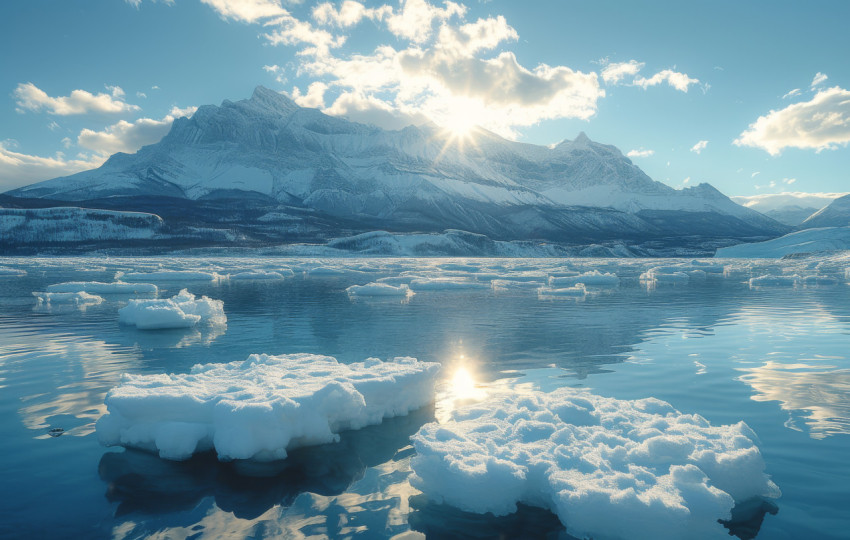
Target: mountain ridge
<point x="419" y="178"/>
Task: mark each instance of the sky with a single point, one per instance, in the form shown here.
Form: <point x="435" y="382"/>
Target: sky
<point x="752" y="97"/>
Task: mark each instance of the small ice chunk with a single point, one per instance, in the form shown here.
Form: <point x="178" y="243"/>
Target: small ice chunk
<point x="6" y="271"/>
<point x="180" y="311"/>
<point x="594" y="278"/>
<point x="445" y="283"/>
<point x="608" y="468"/>
<point x="261" y="407"/>
<point x="665" y="275"/>
<point x="169" y="275"/>
<point x="380" y="289"/>
<point x="509" y="284"/>
<point x="260" y="275"/>
<point x="96" y="287"/>
<point x="775" y="281"/>
<point x="74" y="298"/>
<point x="579" y="291"/>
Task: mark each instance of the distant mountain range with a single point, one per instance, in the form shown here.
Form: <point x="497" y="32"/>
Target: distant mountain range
<point x="267" y="171"/>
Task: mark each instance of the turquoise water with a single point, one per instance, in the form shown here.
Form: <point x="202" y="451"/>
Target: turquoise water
<point x="775" y="358"/>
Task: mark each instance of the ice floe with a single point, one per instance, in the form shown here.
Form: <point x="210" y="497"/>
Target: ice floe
<point x="261" y="407"/>
<point x="594" y="278"/>
<point x="380" y="289"/>
<point x="72" y="298"/>
<point x="775" y="281"/>
<point x="446" y="283"/>
<point x="262" y="275"/>
<point x="577" y="291"/>
<point x="181" y="311"/>
<point x="169" y="275"/>
<point x="97" y="287"/>
<point x="607" y="468"/>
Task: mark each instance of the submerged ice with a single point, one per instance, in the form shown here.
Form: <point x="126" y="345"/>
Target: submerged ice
<point x="261" y="407"/>
<point x="607" y="468"/>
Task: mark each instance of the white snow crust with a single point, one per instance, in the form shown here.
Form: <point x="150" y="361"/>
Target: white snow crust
<point x="261" y="407"/>
<point x="607" y="468"/>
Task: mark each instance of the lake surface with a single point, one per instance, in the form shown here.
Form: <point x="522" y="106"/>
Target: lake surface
<point x="774" y="357"/>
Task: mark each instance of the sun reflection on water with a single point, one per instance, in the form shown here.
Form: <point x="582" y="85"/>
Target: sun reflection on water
<point x="461" y="386"/>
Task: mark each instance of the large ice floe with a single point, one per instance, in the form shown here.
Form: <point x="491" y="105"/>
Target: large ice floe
<point x="607" y="468"/>
<point x="69" y="298"/>
<point x="181" y="311"/>
<point x="169" y="276"/>
<point x="261" y="407"/>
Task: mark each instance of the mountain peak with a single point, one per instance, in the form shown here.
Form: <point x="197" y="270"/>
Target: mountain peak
<point x="582" y="138"/>
<point x="270" y="99"/>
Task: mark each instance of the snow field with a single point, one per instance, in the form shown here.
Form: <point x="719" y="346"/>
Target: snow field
<point x="261" y="407"/>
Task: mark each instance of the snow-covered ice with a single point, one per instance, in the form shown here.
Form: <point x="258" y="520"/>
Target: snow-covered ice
<point x="262" y="275"/>
<point x="775" y="281"/>
<point x="169" y="275"/>
<point x="576" y="291"/>
<point x="97" y="287"/>
<point x="594" y="278"/>
<point x="607" y="468"/>
<point x="380" y="289"/>
<point x="446" y="283"/>
<point x="74" y="298"/>
<point x="180" y="311"/>
<point x="261" y="407"/>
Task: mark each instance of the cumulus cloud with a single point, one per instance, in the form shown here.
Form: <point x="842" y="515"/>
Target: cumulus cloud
<point x="699" y="147"/>
<point x="349" y="13"/>
<point x="314" y="98"/>
<point x="19" y="169"/>
<point x="128" y="137"/>
<point x="679" y="81"/>
<point x="640" y="153"/>
<point x="291" y="31"/>
<point x="246" y="10"/>
<point x="819" y="78"/>
<point x="415" y="19"/>
<point x="618" y="71"/>
<point x="29" y="97"/>
<point x="821" y="123"/>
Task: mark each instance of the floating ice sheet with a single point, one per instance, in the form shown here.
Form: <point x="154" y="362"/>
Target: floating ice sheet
<point x="380" y="289"/>
<point x="72" y="298"/>
<point x="261" y="275"/>
<point x="97" y="287"/>
<point x="594" y="278"/>
<point x="261" y="407"/>
<point x="608" y="468"/>
<point x="169" y="275"/>
<point x="180" y="311"/>
<point x="446" y="284"/>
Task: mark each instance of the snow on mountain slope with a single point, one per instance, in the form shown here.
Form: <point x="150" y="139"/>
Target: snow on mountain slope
<point x="806" y="241"/>
<point x="417" y="178"/>
<point x="835" y="214"/>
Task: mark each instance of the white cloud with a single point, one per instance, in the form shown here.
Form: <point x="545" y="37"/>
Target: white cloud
<point x="755" y="174"/>
<point x="141" y="95"/>
<point x="371" y="110"/>
<point x="686" y="180"/>
<point x="792" y="93"/>
<point x="246" y="10"/>
<point x="17" y="169"/>
<point x="819" y="78"/>
<point x="53" y="126"/>
<point x="699" y="147"/>
<point x="616" y="72"/>
<point x="314" y="98"/>
<point x="788" y="181"/>
<point x="679" y="81"/>
<point x="349" y="13"/>
<point x="415" y="19"/>
<point x="128" y="137"/>
<point x="291" y="31"/>
<point x="774" y="201"/>
<point x="28" y="97"/>
<point x="272" y="69"/>
<point x="640" y="153"/>
<point x="821" y="123"/>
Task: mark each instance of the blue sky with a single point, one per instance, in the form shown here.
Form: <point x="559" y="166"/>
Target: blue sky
<point x="749" y="96"/>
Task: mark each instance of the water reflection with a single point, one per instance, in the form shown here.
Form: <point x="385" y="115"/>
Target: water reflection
<point x="819" y="393"/>
<point x="142" y="483"/>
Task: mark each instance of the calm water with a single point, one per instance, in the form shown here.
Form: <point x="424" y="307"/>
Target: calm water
<point x="775" y="358"/>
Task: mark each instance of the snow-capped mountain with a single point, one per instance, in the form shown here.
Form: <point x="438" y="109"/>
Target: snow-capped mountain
<point x="269" y="149"/>
<point x="790" y="208"/>
<point x="835" y="214"/>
